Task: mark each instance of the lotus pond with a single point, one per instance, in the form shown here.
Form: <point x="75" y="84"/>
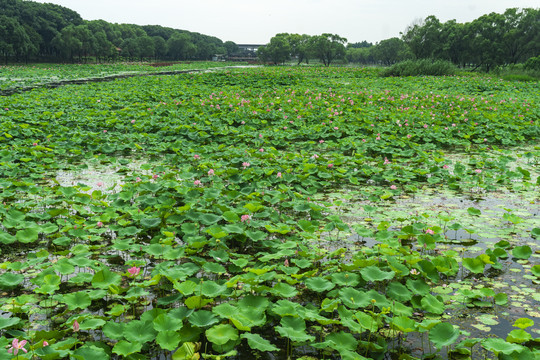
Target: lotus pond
<point x="271" y="213"/>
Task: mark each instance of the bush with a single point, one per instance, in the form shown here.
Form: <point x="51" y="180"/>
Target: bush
<point x="533" y="64"/>
<point x="421" y="67"/>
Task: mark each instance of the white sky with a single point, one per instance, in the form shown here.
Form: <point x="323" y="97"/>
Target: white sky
<point x="255" y="21"/>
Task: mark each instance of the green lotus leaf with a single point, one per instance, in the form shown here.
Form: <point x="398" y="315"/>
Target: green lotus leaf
<point x="518" y="336"/>
<point x="6" y="238"/>
<point x="523" y="323"/>
<point x="341" y="341"/>
<point x="443" y="334"/>
<point x="398" y="291"/>
<point x="284" y="289"/>
<point x="216" y="231"/>
<point x="90" y="352"/>
<point x="8" y="322"/>
<point x="28" y="235"/>
<point x="474" y="265"/>
<point x="92" y="324"/>
<point x="77" y="300"/>
<point x="125" y="348"/>
<point x="287" y="308"/>
<point x="168" y="339"/>
<point x="256" y="235"/>
<point x="150" y="222"/>
<point x="221" y="334"/>
<point x="213" y="267"/>
<point x="188" y="351"/>
<point x="319" y="284"/>
<point x="431" y="304"/>
<point x="294" y="328"/>
<point x="257" y="342"/>
<point x="373" y="273"/>
<point x="418" y="286"/>
<point x="535" y="232"/>
<point x="474" y="212"/>
<point x="353" y="298"/>
<point x="211" y="289"/>
<point x="10" y="280"/>
<point x="105" y="278"/>
<point x="522" y="252"/>
<point x="499" y="346"/>
<point x="346" y="279"/>
<point x="165" y="322"/>
<point x="209" y="219"/>
<point x="202" y="319"/>
<point x="114" y="330"/>
<point x="501" y="299"/>
<point x="404" y="324"/>
<point x="138" y="331"/>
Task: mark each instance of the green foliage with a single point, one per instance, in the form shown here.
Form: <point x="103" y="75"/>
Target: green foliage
<point x="421" y="67"/>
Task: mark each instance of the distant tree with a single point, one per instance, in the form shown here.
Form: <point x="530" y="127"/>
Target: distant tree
<point x="279" y="48"/>
<point x="328" y="47"/>
<point x="14" y="40"/>
<point x="360" y="55"/>
<point x="230" y="48"/>
<point x="359" y="45"/>
<point x="180" y="46"/>
<point x="160" y="47"/>
<point x="146" y="46"/>
<point x="390" y="51"/>
<point x="300" y="47"/>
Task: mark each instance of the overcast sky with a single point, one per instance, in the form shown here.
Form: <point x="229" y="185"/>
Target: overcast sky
<point x="255" y="21"/>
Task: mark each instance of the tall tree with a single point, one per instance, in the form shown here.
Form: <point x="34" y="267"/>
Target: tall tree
<point x="328" y="47"/>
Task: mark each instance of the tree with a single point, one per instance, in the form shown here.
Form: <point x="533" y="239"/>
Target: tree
<point x="146" y="46"/>
<point x="390" y="51"/>
<point x="300" y="47"/>
<point x="279" y="49"/>
<point x="180" y="46"/>
<point x="230" y="48"/>
<point x="160" y="47"/>
<point x="328" y="47"/>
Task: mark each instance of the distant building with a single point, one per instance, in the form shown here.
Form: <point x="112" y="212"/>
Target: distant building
<point x="249" y="47"/>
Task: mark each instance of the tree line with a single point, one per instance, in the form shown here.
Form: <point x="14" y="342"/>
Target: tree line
<point x="31" y="31"/>
<point x="487" y="42"/>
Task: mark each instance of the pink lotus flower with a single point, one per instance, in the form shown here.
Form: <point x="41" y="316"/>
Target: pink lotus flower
<point x="134" y="271"/>
<point x="430" y="232"/>
<point x="393" y="187"/>
<point x="425" y="126"/>
<point x="261" y="150"/>
<point x="321" y="141"/>
<point x="386" y="161"/>
<point x="197" y="183"/>
<point x="16" y="346"/>
<point x="155" y="176"/>
<point x="445" y="166"/>
<point x="278" y="174"/>
<point x="196" y="157"/>
<point x="76" y="326"/>
<point x="45" y="343"/>
<point x="330" y="165"/>
<point x="100" y="184"/>
<point x="211" y="172"/>
<point x="245" y="218"/>
<point x="245" y="164"/>
<point x="104" y="131"/>
<point x="138" y="179"/>
<point x="133" y="121"/>
<point x="478" y="171"/>
<point x="99" y="224"/>
<point x="35" y="144"/>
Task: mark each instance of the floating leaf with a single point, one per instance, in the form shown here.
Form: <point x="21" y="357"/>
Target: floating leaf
<point x="221" y="334"/>
<point x="168" y="339"/>
<point x="523" y="323"/>
<point x="125" y="348"/>
<point x="319" y="284"/>
<point x="431" y="304"/>
<point x="522" y="252"/>
<point x="443" y="334"/>
<point x="373" y="273"/>
<point x="256" y="342"/>
<point x="202" y="318"/>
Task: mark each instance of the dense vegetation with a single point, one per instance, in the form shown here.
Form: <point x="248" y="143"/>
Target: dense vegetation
<point x="31" y="31"/>
<point x="487" y="42"/>
<point x="210" y="215"/>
